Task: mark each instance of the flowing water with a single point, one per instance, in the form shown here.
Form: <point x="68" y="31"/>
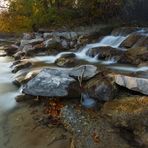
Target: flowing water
<point x="7" y="90"/>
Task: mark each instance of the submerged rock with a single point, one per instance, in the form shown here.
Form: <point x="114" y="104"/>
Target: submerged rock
<point x="67" y="60"/>
<point x="133" y="83"/>
<point x="11" y="50"/>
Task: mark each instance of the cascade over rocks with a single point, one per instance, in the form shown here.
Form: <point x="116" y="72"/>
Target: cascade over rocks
<point x="103" y="53"/>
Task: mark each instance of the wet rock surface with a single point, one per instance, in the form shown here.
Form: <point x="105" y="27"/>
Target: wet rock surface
<point x="101" y="88"/>
<point x="56" y="82"/>
<point x="133" y="83"/>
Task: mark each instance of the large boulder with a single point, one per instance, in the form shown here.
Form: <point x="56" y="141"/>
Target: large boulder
<point x="56" y="82"/>
<point x="134" y="56"/>
<point x="101" y="88"/>
<point x="133" y="83"/>
<point x="131" y="40"/>
<point x="142" y="42"/>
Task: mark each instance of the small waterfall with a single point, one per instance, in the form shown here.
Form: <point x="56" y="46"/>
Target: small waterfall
<point x="112" y="41"/>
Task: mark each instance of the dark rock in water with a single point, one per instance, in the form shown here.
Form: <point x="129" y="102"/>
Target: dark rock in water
<point x="133" y="83"/>
<point x="131" y="40"/>
<point x="11" y="50"/>
<point x="104" y="53"/>
<point x="67" y="60"/>
<point x="128" y="58"/>
<point x="101" y="88"/>
<point x="25" y="64"/>
<point x="134" y="56"/>
<point x="16" y="63"/>
<point x="19" y="55"/>
<point x="56" y="82"/>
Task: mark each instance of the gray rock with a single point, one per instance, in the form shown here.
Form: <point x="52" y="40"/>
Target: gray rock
<point x="51" y="83"/>
<point x="18" y="55"/>
<point x="133" y="83"/>
<point x="101" y="88"/>
<point x="88" y="71"/>
<point x="32" y="41"/>
<point x="27" y="48"/>
<point x="56" y="82"/>
<point x="27" y="36"/>
<point x="66" y="35"/>
<point x="50" y="42"/>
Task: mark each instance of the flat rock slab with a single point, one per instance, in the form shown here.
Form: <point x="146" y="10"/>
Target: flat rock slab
<point x="133" y="83"/>
<point x="54" y="82"/>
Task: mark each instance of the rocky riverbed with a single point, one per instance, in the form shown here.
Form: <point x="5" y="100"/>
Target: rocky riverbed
<point x="94" y="86"/>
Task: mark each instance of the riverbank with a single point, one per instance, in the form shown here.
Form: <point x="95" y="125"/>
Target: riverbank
<point x="84" y="83"/>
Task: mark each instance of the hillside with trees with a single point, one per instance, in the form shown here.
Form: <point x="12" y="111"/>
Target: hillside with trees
<point x="58" y="13"/>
